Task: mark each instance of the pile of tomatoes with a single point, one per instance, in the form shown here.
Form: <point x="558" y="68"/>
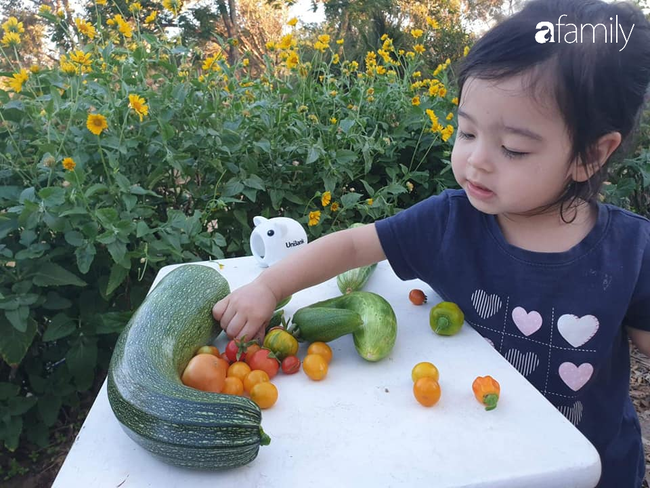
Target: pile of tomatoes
<point x="246" y="368"/>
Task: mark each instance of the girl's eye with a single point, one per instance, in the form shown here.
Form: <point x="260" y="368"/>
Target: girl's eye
<point x="513" y="154"/>
<point x="465" y="135"/>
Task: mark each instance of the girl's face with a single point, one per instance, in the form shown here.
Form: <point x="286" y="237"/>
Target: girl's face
<point x="512" y="151"/>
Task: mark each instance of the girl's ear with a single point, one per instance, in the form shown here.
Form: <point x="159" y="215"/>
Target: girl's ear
<point x="604" y="148"/>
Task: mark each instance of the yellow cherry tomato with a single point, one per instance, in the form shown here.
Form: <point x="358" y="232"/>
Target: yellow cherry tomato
<point x="427" y="391"/>
<point x="315" y="366"/>
<point x="423" y="369"/>
<point x="265" y="394"/>
<point x="320" y="348"/>
<point x="254" y="377"/>
<point x="233" y="386"/>
<point x="239" y="369"/>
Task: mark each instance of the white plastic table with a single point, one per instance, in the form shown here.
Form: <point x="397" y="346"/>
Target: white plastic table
<point x="361" y="425"/>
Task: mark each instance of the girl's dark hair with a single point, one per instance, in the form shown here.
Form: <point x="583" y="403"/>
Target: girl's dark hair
<point x="599" y="86"/>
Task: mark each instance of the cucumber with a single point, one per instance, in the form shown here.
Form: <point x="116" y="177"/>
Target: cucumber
<point x="313" y="323"/>
<point x="179" y="425"/>
<point x="374" y="338"/>
<point x="354" y="279"/>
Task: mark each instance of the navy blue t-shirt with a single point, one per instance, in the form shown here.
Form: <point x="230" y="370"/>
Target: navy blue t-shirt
<point x="557" y="317"/>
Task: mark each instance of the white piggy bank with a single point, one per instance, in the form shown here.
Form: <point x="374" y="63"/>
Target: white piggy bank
<point x="273" y="239"/>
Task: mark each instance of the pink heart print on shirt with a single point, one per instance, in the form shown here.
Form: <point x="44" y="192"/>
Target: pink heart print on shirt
<point x="527" y="322"/>
<point x="577" y="330"/>
<point x="574" y="376"/>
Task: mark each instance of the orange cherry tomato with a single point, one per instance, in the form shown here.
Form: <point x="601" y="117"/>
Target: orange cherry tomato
<point x="254" y="377"/>
<point x="315" y="366"/>
<point x="239" y="369"/>
<point x="205" y="372"/>
<point x="209" y="350"/>
<point x="417" y="297"/>
<point x="427" y="391"/>
<point x="320" y="348"/>
<point x="265" y="394"/>
<point x="423" y="369"/>
<point x="233" y="386"/>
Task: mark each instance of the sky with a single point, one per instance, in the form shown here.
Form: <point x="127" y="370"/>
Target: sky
<point x="302" y="10"/>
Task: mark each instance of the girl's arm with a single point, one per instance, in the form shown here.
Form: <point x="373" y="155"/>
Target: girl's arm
<point x="246" y="311"/>
<point x="641" y="339"/>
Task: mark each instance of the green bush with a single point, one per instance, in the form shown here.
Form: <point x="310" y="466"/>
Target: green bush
<point x="135" y="152"/>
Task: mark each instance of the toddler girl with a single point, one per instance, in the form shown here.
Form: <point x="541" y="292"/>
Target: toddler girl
<point x="556" y="281"/>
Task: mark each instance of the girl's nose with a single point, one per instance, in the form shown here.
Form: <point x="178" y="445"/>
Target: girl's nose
<point x="479" y="159"/>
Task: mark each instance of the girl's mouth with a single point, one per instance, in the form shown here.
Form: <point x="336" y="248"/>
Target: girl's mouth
<point x="478" y="191"/>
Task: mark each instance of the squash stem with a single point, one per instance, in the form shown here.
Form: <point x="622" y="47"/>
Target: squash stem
<point x="265" y="439"/>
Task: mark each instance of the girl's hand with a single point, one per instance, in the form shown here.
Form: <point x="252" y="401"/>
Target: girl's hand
<point x="246" y="311"/>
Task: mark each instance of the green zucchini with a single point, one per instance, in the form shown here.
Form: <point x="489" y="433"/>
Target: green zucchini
<point x="374" y="338"/>
<point x="180" y="425"/>
<point x="354" y="279"/>
<point x="313" y="323"/>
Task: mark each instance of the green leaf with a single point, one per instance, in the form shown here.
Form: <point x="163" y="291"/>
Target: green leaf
<point x="264" y="145"/>
<point x="61" y="326"/>
<point x="142" y="229"/>
<point x="13" y="343"/>
<point x="96" y="188"/>
<point x="138" y="190"/>
<point x="349" y="199"/>
<point x="49" y="407"/>
<point x="8" y="390"/>
<point x="12" y="432"/>
<point x="312" y="154"/>
<point x="18" y="318"/>
<point x="74" y="238"/>
<point x="346" y="125"/>
<point x="54" y="301"/>
<point x="118" y="273"/>
<point x="81" y="360"/>
<point x="85" y="256"/>
<point x="107" y="216"/>
<point x="50" y="274"/>
<point x="19" y="405"/>
<point x="395" y="189"/>
<point x="112" y="322"/>
<point x="117" y="249"/>
<point x="276" y="198"/>
<point x="345" y="156"/>
<point x="52" y="196"/>
<point x="256" y="182"/>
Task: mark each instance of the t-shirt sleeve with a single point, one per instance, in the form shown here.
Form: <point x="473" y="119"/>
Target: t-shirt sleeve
<point x="412" y="238"/>
<point x="638" y="315"/>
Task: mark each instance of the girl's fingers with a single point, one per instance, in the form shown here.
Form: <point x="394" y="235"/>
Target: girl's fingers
<point x="235" y="326"/>
<point x="219" y="309"/>
<point x="250" y="329"/>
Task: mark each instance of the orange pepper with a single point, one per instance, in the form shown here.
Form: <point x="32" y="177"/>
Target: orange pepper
<point x="486" y="390"/>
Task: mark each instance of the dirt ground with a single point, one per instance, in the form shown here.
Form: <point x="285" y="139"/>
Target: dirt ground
<point x="43" y="472"/>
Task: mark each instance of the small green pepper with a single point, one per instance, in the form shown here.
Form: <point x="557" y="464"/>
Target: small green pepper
<point x="446" y="318"/>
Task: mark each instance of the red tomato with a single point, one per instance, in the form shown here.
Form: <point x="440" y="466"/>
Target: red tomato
<point x="232" y="349"/>
<point x="261" y="360"/>
<point x="290" y="365"/>
<point x="417" y="297"/>
<point x="237" y="349"/>
<point x="250" y="352"/>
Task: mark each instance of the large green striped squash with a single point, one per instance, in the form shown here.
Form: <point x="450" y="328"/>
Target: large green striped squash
<point x="180" y="425"/>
